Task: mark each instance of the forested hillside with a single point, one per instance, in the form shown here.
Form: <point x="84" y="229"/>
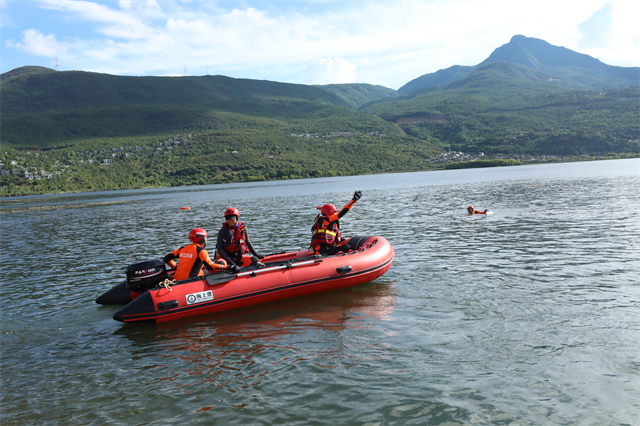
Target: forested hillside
<point x="529" y="101"/>
<point x="508" y="108"/>
<point x="356" y="95"/>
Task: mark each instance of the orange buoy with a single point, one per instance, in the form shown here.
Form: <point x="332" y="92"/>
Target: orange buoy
<point x="185" y="208"/>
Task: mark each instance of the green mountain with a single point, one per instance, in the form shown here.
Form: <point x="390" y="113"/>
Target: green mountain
<point x="438" y="78"/>
<point x="503" y="107"/>
<point x="356" y="95"/>
<point x="43" y="93"/>
<point x="99" y="131"/>
<point x="564" y="67"/>
<point x="41" y="108"/>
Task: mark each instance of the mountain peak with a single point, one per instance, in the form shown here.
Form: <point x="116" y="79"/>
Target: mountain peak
<point x="540" y="55"/>
<point x="27" y="70"/>
<point x="576" y="70"/>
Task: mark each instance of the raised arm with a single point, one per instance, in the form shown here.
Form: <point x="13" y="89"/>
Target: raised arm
<point x="347" y="207"/>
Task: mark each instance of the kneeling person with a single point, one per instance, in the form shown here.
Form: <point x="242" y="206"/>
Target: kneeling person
<point x="326" y="237"/>
<point x="193" y="257"/>
<point x="233" y="241"/>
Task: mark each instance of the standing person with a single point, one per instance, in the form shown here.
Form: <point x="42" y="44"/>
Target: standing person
<point x="326" y="238"/>
<point x="471" y="210"/>
<point x="233" y="241"/>
<point x="193" y="257"/>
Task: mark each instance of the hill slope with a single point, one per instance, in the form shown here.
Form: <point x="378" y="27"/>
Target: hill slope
<point x="357" y="95"/>
<point x="438" y="78"/>
<point x="570" y="69"/>
<point x="55" y="92"/>
<point x="503" y="107"/>
<point x="42" y="107"/>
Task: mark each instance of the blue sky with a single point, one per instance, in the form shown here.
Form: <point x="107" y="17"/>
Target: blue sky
<point x="311" y="42"/>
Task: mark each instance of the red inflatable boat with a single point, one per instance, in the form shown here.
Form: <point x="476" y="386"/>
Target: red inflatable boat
<point x="282" y="276"/>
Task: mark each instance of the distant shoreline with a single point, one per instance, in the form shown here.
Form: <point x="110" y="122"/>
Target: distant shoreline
<point x="457" y="166"/>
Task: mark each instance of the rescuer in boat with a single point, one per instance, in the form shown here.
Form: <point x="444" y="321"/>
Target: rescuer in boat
<point x="233" y="241"/>
<point x="193" y="257"/>
<point x="471" y="210"/>
<point x="326" y="238"/>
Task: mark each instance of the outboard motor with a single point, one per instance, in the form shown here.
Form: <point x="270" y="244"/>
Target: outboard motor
<point x="145" y="275"/>
<point x="358" y="241"/>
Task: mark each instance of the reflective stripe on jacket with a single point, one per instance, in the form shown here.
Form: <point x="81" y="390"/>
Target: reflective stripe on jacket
<point x="324" y="231"/>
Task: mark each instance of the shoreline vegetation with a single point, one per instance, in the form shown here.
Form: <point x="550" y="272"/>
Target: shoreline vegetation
<point x="108" y="177"/>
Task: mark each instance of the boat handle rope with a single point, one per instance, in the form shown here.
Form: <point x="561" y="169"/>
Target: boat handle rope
<point x="167" y="284"/>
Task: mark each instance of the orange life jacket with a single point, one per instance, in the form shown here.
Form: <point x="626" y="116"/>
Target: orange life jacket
<point x="191" y="259"/>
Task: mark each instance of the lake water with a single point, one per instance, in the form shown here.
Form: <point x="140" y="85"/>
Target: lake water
<point x="527" y="316"/>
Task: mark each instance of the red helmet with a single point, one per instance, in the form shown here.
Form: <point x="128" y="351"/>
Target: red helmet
<point x="197" y="235"/>
<point x="232" y="211"/>
<point x="470" y="209"/>
<point x="327" y="209"/>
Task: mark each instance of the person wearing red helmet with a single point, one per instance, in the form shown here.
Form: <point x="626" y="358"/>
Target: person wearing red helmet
<point x="471" y="210"/>
<point x="193" y="257"/>
<point x="233" y="240"/>
<point x="325" y="235"/>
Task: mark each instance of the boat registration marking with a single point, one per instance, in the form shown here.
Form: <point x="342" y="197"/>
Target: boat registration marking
<point x="202" y="296"/>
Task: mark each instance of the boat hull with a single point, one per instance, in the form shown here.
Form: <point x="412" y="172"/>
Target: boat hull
<point x="286" y="276"/>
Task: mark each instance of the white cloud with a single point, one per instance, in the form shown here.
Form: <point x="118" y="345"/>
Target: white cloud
<point x="596" y="31"/>
<point x="38" y="44"/>
<point x="328" y="71"/>
<point x="119" y="24"/>
<point x="390" y="42"/>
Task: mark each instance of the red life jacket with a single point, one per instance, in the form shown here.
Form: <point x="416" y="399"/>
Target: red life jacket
<point x="325" y="232"/>
<point x="238" y="243"/>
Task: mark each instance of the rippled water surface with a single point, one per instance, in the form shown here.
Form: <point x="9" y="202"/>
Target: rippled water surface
<point x="527" y="316"/>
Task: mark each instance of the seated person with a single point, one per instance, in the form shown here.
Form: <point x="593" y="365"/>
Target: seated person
<point x="193" y="257"/>
<point x="233" y="241"/>
<point x="471" y="210"/>
<point x="326" y="238"/>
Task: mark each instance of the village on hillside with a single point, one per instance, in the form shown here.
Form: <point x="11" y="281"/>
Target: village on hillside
<point x="34" y="165"/>
<point x="335" y="135"/>
<point x="27" y="166"/>
<point x="459" y="156"/>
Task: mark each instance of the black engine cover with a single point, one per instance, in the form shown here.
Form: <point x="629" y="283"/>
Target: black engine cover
<point x="145" y="275"/>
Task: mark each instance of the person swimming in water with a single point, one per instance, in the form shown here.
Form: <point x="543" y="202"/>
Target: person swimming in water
<point x="471" y="210"/>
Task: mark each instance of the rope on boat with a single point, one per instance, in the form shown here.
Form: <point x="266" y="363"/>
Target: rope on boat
<point x="167" y="284"/>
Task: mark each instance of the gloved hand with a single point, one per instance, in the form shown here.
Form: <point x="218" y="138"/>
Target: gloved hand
<point x="357" y="195"/>
<point x="235" y="269"/>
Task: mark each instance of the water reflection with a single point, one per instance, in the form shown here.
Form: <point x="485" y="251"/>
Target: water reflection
<point x="236" y="358"/>
<point x="333" y="311"/>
